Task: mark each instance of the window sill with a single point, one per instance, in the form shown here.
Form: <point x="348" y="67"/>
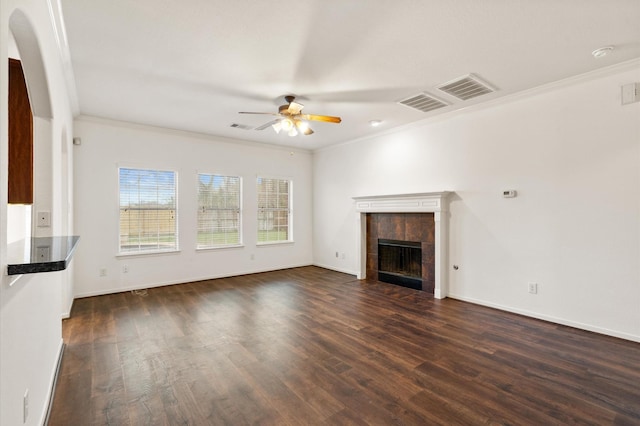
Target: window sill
<point x="274" y="243"/>
<point x="234" y="246"/>
<point x="147" y="253"/>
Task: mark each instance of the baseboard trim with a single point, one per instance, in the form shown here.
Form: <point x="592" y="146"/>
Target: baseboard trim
<point x="67" y="315"/>
<point x="185" y="280"/>
<point x="54" y="382"/>
<point x="333" y="268"/>
<point x="549" y="318"/>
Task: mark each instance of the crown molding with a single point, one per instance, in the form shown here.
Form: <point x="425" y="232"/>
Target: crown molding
<point x="506" y="99"/>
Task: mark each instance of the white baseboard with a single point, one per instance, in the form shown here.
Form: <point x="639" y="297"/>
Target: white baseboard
<point x="333" y="268"/>
<point x="549" y="318"/>
<point x="183" y="281"/>
<point x="67" y="313"/>
<point x="44" y="418"/>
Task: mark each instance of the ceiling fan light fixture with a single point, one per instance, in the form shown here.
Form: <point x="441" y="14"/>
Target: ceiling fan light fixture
<point x="286" y="124"/>
<point x="291" y="120"/>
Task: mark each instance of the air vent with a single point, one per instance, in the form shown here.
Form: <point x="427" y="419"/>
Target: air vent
<point x="423" y="102"/>
<point x="467" y="87"/>
<point x="241" y="126"/>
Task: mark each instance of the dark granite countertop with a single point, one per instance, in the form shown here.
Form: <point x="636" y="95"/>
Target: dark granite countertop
<point x="41" y="254"/>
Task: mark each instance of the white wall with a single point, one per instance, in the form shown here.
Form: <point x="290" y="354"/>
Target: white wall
<point x="106" y="145"/>
<point x="30" y="308"/>
<point x="573" y="154"/>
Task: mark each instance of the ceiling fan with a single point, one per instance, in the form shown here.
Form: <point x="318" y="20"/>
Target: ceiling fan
<point x="292" y="120"/>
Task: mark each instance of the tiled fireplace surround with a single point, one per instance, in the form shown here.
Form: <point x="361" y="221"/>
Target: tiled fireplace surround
<point x="419" y="217"/>
<point x="414" y="227"/>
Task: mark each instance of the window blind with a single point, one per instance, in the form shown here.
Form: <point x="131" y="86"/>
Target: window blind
<point x="274" y="210"/>
<point x="148" y="210"/>
<point x="219" y="210"/>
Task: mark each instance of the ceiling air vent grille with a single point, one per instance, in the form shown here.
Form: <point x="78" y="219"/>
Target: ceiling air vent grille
<point x="423" y="102"/>
<point x="241" y="126"/>
<point x="467" y="87"/>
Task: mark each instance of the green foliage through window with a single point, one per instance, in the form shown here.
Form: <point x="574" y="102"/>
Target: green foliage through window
<point x="218" y="210"/>
<point x="274" y="210"/>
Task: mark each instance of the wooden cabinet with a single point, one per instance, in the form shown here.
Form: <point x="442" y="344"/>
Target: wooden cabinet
<point x="20" y="137"/>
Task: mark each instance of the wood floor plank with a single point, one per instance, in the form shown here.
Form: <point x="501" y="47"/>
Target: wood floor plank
<point x="313" y="346"/>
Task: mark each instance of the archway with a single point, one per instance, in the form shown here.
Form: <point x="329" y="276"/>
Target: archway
<point x="31" y="57"/>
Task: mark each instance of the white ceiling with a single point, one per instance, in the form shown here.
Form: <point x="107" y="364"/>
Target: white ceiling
<point x="193" y="64"/>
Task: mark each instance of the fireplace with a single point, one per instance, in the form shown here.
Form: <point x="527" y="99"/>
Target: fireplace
<point x="400" y="262"/>
<point x="419" y="217"/>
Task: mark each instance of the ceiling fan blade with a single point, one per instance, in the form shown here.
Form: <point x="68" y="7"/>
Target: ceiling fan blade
<point x="266" y="125"/>
<point x="325" y="118"/>
<point x="263" y="113"/>
<point x="294" y="108"/>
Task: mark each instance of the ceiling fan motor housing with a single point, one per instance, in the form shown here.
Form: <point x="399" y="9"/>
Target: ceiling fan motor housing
<point x="283" y="108"/>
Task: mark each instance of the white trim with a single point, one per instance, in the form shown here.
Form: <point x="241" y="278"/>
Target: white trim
<point x="213" y="248"/>
<point x="176" y="184"/>
<point x="499" y="100"/>
<point x="60" y="33"/>
<point x="274" y="243"/>
<point x="147" y="253"/>
<point x="67" y="313"/>
<point x="333" y="268"/>
<point x="52" y="384"/>
<point x="186" y="280"/>
<point x="425" y="202"/>
<point x="205" y="137"/>
<point x="549" y="318"/>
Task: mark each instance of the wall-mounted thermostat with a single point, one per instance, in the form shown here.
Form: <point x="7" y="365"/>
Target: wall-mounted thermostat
<point x="630" y="93"/>
<point x="509" y="193"/>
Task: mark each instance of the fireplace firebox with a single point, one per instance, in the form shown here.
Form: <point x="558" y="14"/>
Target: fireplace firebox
<point x="400" y="262"/>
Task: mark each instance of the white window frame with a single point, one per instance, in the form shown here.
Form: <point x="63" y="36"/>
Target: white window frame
<point x="237" y="210"/>
<point x="157" y="249"/>
<point x="261" y="210"/>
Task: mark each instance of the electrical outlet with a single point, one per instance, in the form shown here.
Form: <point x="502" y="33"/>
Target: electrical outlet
<point x="125" y="269"/>
<point x="342" y="256"/>
<point x="44" y="219"/>
<point x="533" y="288"/>
<point x="43" y="253"/>
<point x="103" y="272"/>
<point x="25" y="406"/>
<point x="253" y="256"/>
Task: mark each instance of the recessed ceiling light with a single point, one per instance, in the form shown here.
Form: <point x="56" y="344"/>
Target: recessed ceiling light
<point x="375" y="123"/>
<point x="603" y="51"/>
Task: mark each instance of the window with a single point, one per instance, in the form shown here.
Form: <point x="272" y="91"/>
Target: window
<point x="274" y="210"/>
<point x="218" y="211"/>
<point x="147" y="210"/>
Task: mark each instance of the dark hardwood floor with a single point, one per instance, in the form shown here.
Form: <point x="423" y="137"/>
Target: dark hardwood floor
<point x="312" y="346"/>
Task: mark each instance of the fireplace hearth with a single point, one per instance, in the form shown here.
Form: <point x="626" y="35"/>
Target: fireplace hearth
<point x="400" y="262"/>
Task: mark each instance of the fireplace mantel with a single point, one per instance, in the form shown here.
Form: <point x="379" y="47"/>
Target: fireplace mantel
<point x="426" y="202"/>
